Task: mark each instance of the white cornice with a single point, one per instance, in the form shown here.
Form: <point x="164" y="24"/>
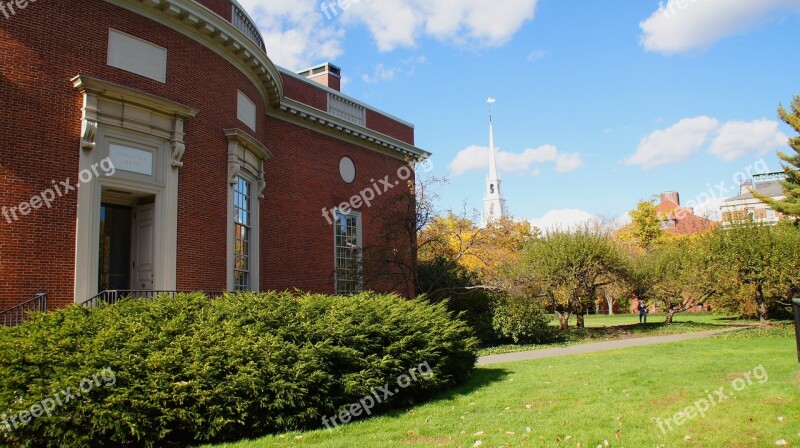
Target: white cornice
<point x="128" y="95"/>
<point x="314" y="118"/>
<point x="244" y="140"/>
<point x="208" y="28"/>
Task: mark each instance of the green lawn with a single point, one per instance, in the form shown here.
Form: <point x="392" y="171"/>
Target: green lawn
<point x="615" y="396"/>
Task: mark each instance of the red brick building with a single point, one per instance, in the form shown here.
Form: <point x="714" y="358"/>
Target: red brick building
<point x="678" y="220"/>
<point x="153" y="145"/>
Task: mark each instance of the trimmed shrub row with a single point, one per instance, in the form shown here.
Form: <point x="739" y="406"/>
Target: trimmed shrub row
<point x="190" y="370"/>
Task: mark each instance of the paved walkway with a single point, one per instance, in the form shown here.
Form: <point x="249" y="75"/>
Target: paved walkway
<point x="599" y="346"/>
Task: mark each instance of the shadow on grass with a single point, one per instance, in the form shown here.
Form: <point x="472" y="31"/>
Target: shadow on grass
<point x="480" y="378"/>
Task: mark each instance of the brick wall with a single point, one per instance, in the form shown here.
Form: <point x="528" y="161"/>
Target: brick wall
<point x="39" y="142"/>
<point x="302" y="179"/>
<point x="390" y="127"/>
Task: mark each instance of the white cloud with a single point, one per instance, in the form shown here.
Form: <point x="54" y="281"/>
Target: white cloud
<point x="295" y="32"/>
<point x="536" y="55"/>
<point x="622" y="220"/>
<point x="709" y="208"/>
<point x="566" y="220"/>
<point x="568" y="162"/>
<point x="381" y="73"/>
<point x="673" y="145"/>
<point x="476" y="158"/>
<point x="737" y="139"/>
<point x="681" y="26"/>
<point x="301" y="32"/>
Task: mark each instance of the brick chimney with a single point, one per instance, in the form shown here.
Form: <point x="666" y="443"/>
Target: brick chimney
<point x="671" y="196"/>
<point x="326" y="74"/>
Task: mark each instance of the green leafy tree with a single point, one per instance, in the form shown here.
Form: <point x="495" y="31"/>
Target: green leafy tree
<point x="569" y="269"/>
<point x="790" y="205"/>
<point x="646" y="230"/>
<point x="672" y="277"/>
<point x="755" y="266"/>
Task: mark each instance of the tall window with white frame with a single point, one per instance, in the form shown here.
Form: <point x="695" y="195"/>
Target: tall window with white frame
<point x="347" y="236"/>
<point x="242" y="232"/>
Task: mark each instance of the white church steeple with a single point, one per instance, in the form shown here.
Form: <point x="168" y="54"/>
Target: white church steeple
<point x="494" y="206"/>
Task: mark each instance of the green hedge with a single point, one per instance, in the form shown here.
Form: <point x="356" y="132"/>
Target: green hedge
<point x="190" y="370"/>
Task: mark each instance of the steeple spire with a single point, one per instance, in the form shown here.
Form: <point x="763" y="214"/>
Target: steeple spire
<point x="492" y="153"/>
<point x="494" y="206"/>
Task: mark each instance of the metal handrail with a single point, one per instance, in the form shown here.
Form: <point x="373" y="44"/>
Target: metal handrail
<point x="113" y="296"/>
<point x="18" y="314"/>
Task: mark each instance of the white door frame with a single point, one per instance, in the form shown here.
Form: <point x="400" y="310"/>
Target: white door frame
<point x="143" y="122"/>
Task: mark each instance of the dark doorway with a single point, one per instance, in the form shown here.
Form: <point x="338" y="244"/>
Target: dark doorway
<point x="115" y="247"/>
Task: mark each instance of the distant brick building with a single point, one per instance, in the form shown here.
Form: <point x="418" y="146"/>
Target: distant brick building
<point x="224" y="164"/>
<point x="679" y="220"/>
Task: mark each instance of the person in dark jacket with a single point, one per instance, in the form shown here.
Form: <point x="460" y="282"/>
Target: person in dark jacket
<point x="642" y="312"/>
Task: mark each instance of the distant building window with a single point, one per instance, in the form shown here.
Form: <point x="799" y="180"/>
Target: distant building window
<point x="242" y="234"/>
<point x="668" y="223"/>
<point x="771" y="214"/>
<point x="751" y="215"/>
<point x="347" y="237"/>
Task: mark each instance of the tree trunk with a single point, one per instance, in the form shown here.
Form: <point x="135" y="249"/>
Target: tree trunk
<point x="579" y="323"/>
<point x="563" y="320"/>
<point x="610" y="302"/>
<point x="670" y="315"/>
<point x="762" y="305"/>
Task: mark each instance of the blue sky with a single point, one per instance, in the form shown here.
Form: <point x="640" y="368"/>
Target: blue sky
<point x="599" y="104"/>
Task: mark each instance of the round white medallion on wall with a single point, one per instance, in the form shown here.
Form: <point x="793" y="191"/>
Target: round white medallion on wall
<point x="347" y="169"/>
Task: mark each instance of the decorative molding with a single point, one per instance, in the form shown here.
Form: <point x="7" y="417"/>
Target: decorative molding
<point x="88" y="134"/>
<point x="337" y="127"/>
<point x="177" y="144"/>
<point x="262" y="182"/>
<point x="127" y="95"/>
<point x="89" y="122"/>
<point x="234" y="167"/>
<point x="239" y="144"/>
<point x="94" y="90"/>
<point x="246" y="141"/>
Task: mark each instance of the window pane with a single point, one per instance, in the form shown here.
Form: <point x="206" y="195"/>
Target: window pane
<point x="347" y="257"/>
<point x="241" y="234"/>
